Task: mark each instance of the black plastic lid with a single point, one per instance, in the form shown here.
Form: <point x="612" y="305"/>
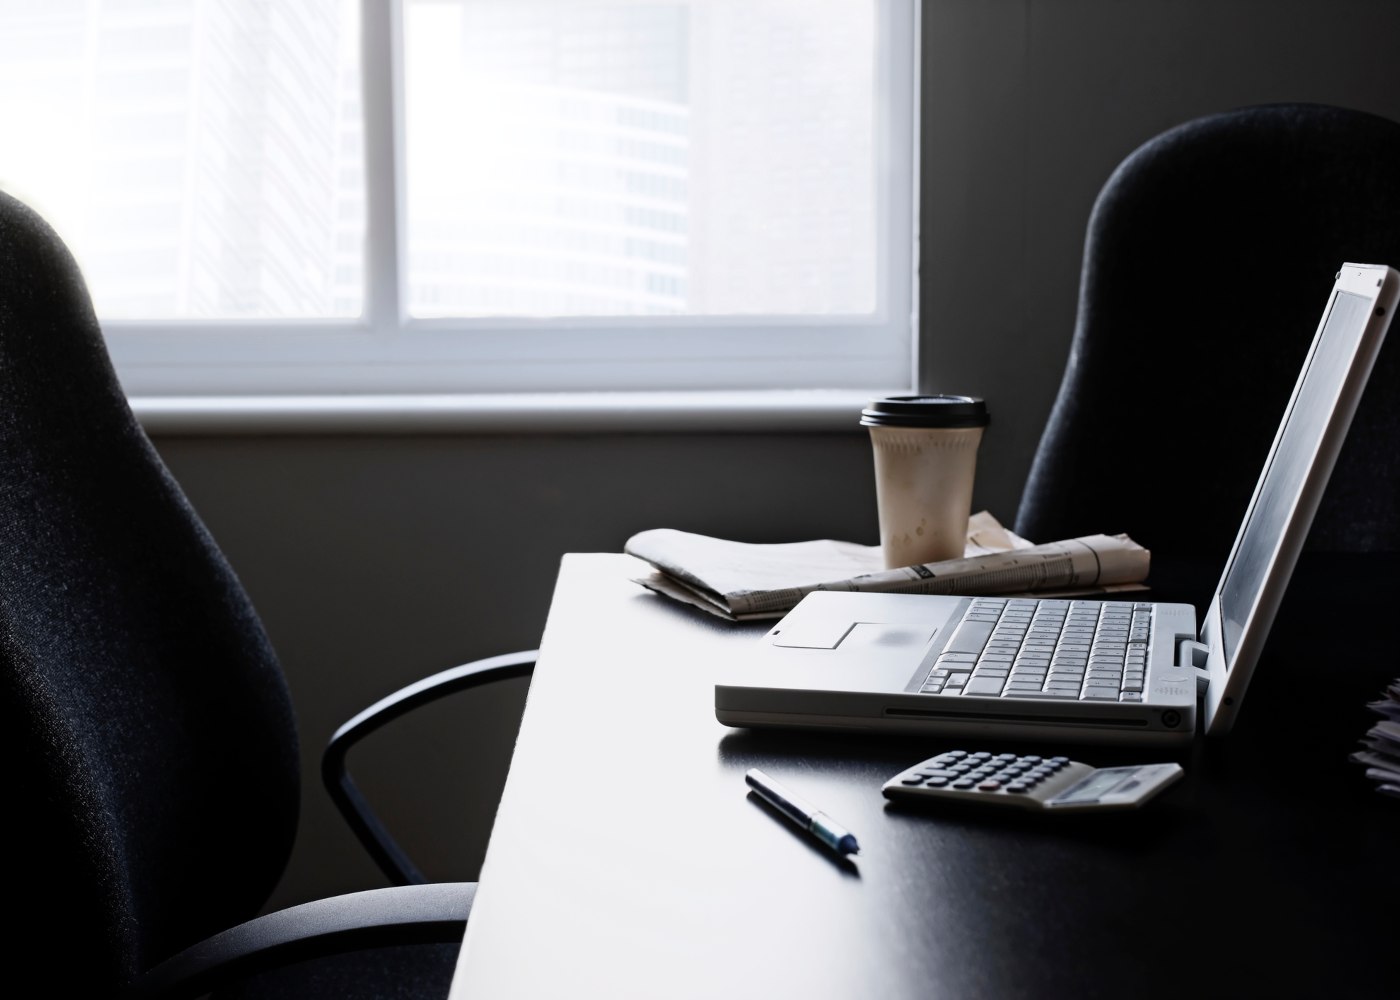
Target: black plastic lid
<point x="926" y="411"/>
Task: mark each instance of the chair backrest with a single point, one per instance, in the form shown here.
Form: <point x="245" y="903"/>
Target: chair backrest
<point x="150" y="745"/>
<point x="1208" y="259"/>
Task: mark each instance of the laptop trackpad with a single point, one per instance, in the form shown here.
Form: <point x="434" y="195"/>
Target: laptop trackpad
<point x="886" y="637"/>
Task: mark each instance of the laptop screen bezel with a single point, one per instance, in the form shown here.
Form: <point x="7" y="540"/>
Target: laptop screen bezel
<point x="1229" y="677"/>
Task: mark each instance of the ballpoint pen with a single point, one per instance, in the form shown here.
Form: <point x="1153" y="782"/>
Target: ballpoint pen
<point x="809" y="818"/>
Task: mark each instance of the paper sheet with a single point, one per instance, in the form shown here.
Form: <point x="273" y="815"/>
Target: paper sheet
<point x="743" y="580"/>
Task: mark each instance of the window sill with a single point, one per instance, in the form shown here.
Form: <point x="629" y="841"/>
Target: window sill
<point x="508" y="413"/>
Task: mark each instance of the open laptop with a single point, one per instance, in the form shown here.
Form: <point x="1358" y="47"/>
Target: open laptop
<point x="1127" y="672"/>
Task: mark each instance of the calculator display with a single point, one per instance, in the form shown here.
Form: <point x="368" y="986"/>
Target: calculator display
<point x="1097" y="785"/>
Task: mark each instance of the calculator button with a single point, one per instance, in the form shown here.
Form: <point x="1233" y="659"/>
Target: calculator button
<point x="963" y="783"/>
<point x="1018" y="786"/>
<point x="915" y="780"/>
<point x="989" y="786"/>
<point x="937" y="781"/>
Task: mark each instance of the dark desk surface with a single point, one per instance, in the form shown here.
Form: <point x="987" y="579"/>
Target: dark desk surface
<point x="628" y="859"/>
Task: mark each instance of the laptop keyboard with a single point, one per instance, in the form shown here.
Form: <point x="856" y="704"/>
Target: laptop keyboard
<point x="1071" y="650"/>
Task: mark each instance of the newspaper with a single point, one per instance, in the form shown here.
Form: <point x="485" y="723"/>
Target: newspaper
<point x="741" y="581"/>
<point x="1380" y="749"/>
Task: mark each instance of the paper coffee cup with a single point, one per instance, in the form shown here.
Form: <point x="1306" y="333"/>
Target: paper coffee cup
<point x="925" y="451"/>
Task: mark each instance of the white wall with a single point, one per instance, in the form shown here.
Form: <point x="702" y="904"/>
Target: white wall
<point x="375" y="560"/>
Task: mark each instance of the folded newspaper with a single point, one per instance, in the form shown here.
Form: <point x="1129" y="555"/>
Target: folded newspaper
<point x="742" y="580"/>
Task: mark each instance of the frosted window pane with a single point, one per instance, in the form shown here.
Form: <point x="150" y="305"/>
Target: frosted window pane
<point x="714" y="157"/>
<point x="202" y="158"/>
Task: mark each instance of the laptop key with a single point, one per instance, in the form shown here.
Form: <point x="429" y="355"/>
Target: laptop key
<point x="969" y="637"/>
<point x="983" y="686"/>
<point x="946" y="659"/>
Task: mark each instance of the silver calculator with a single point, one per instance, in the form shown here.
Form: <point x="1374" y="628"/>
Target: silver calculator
<point x="1029" y="781"/>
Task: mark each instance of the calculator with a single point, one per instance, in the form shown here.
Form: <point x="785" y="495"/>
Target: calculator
<point x="1028" y="781"/>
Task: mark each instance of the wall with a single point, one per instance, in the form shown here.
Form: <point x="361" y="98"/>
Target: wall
<point x="375" y="560"/>
<point x="1028" y="107"/>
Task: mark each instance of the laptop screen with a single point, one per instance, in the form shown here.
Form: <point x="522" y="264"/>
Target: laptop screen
<point x="1294" y="452"/>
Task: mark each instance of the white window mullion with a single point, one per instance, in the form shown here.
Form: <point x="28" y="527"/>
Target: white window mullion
<point x="381" y="25"/>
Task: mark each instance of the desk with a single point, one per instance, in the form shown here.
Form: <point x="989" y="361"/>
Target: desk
<point x="628" y="861"/>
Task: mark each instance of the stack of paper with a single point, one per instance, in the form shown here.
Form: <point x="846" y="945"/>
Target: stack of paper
<point x="1380" y="749"/>
<point x="741" y="580"/>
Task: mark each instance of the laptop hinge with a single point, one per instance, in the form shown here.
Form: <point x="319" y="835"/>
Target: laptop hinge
<point x="1192" y="655"/>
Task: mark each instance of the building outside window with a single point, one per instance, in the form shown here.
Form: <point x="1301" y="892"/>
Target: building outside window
<point x="301" y="196"/>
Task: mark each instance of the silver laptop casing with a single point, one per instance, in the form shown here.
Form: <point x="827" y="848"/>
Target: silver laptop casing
<point x="854" y="661"/>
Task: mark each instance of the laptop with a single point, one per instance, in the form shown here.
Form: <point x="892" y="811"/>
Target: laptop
<point x="1119" y="672"/>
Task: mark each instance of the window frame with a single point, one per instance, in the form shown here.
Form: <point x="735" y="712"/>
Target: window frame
<point x="387" y="352"/>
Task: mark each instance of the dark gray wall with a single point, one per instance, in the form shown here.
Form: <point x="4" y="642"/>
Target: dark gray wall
<point x="375" y="560"/>
<point x="1028" y="107"/>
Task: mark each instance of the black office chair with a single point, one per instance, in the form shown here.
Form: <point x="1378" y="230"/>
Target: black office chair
<point x="152" y="771"/>
<point x="1209" y="255"/>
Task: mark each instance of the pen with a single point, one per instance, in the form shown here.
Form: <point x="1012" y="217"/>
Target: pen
<point x="813" y="820"/>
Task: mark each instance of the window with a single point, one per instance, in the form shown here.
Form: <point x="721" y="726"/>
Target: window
<point x="441" y="196"/>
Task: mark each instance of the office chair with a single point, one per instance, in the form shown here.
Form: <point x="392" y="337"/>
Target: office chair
<point x="151" y="750"/>
<point x="1208" y="258"/>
